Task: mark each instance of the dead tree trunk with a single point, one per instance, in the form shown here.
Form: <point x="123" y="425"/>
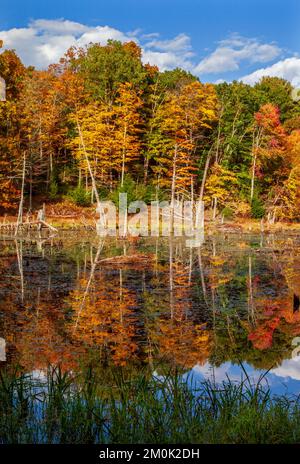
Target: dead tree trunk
<point x="20" y="212"/>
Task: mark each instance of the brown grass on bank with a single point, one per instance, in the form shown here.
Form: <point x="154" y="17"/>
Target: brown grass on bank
<point x="67" y="215"/>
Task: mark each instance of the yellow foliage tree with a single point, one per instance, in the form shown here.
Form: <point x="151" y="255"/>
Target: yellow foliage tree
<point x="183" y="119"/>
<point x="128" y="127"/>
<point x="290" y="200"/>
<point x="220" y="187"/>
<point x="98" y="132"/>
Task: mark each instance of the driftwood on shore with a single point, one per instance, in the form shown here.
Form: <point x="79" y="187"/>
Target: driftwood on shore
<point x="229" y="227"/>
<point x="12" y="228"/>
<point x="128" y="259"/>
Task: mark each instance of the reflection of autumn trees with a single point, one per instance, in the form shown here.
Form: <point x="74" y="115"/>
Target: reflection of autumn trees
<point x="179" y="338"/>
<point x="225" y="301"/>
<point x="31" y="318"/>
<point x="173" y="333"/>
<point x="107" y="319"/>
<point x="183" y="342"/>
<point x="45" y="322"/>
<point x="261" y="330"/>
<point x="110" y="319"/>
<point x="218" y="272"/>
<point x="42" y="341"/>
<point x="280" y="312"/>
<point x="35" y="335"/>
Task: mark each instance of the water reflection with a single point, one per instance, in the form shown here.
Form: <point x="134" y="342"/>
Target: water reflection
<point x="153" y="301"/>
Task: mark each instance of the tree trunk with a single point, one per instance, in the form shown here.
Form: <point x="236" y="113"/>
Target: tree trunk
<point x="215" y="199"/>
<point x="171" y="283"/>
<point x="88" y="163"/>
<point x="255" y="146"/>
<point x="173" y="188"/>
<point x="123" y="156"/>
<point x="146" y="166"/>
<point x="20" y="212"/>
<point x="253" y="176"/>
<point x="204" y="176"/>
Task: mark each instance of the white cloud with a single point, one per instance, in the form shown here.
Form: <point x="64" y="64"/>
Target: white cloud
<point x="45" y="41"/>
<point x="180" y="43"/>
<point x="102" y="34"/>
<point x="226" y="371"/>
<point x="232" y="51"/>
<point x="289" y="368"/>
<point x="287" y="69"/>
<point x="165" y="60"/>
<point x="151" y="35"/>
<point x="218" y="374"/>
<point x="168" y="54"/>
<point x="58" y="26"/>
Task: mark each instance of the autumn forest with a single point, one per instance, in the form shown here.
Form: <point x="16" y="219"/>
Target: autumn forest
<point x="138" y="339"/>
<point x="152" y="134"/>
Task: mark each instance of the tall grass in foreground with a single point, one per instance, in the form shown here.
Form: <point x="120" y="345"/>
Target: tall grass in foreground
<point x="63" y="409"/>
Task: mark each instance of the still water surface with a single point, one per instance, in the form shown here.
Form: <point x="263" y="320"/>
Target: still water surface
<point x="205" y="310"/>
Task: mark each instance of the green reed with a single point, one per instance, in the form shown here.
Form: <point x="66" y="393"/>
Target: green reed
<point x="141" y="408"/>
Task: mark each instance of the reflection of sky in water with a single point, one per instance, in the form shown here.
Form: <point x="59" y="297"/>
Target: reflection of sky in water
<point x="210" y="290"/>
<point x="282" y="380"/>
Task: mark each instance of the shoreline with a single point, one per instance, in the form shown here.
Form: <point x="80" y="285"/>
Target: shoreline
<point x="246" y="226"/>
<point x="67" y="216"/>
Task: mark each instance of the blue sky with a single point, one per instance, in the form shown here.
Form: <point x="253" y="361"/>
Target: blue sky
<point x="215" y="39"/>
<point x="284" y="379"/>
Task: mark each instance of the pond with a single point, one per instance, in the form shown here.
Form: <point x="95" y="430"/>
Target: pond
<point x="230" y="305"/>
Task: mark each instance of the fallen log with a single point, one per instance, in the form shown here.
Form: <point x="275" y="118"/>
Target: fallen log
<point x="15" y="226"/>
<point x="48" y="225"/>
<point x="63" y="216"/>
<point x="229" y="227"/>
<point x="128" y="259"/>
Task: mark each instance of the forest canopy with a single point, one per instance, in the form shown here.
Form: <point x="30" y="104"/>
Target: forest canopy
<point x="153" y="134"/>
